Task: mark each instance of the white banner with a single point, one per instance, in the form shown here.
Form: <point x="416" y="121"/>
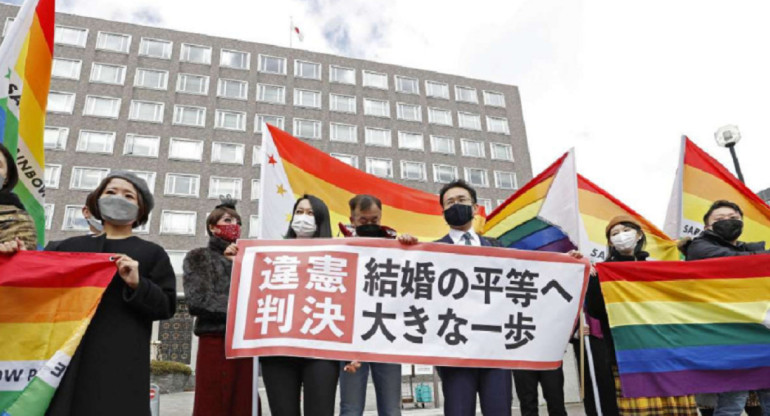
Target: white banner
<point x="377" y="300"/>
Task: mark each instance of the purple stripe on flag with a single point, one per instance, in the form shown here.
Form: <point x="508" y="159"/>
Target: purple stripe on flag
<point x="680" y="383"/>
<point x="560" y="246"/>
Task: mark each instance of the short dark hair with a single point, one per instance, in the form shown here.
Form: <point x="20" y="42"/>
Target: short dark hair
<point x="13" y="172"/>
<point x="363" y="202"/>
<point x="217" y="215"/>
<point x="459" y="183"/>
<point x="92" y="202"/>
<point x="321" y="214"/>
<point x="721" y="204"/>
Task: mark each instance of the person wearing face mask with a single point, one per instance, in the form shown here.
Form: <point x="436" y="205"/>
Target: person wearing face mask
<point x="723" y="227"/>
<point x="625" y="242"/>
<point x="287" y="379"/>
<point x="222" y="386"/>
<point x="17" y="230"/>
<point x="110" y="370"/>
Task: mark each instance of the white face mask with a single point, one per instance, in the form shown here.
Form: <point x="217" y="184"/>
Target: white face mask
<point x="303" y="225"/>
<point x="624" y="241"/>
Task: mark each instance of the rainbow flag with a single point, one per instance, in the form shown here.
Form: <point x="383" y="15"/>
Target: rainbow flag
<point x="597" y="208"/>
<point x="26" y="56"/>
<point x="291" y="168"/>
<point x="701" y="180"/>
<point x="690" y="327"/>
<point x="48" y="301"/>
<point x="543" y="214"/>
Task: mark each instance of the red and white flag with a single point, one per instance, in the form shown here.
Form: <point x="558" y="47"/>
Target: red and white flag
<point x="300" y="35"/>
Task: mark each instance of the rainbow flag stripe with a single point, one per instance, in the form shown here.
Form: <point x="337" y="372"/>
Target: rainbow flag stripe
<point x="690" y="327"/>
<point x="48" y="302"/>
<point x="26" y="56"/>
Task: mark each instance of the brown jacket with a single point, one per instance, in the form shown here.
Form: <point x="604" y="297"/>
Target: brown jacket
<point x="15" y="222"/>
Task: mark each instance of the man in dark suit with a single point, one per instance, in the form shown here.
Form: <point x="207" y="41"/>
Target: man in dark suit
<point x="460" y="385"/>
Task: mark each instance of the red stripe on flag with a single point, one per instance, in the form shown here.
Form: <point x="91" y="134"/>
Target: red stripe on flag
<point x="46" y="12"/>
<point x="55" y="269"/>
<point x="742" y="267"/>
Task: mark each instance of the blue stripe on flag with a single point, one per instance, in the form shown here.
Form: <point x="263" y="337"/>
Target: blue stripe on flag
<point x="711" y="357"/>
<point x="539" y="239"/>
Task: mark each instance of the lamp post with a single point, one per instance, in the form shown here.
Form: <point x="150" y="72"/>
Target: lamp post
<point x="728" y="136"/>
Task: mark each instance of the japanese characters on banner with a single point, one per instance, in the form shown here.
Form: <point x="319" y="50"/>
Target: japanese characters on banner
<point x="377" y="300"/>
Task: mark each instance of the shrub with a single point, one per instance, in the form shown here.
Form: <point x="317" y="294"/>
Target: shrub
<point x="160" y="368"/>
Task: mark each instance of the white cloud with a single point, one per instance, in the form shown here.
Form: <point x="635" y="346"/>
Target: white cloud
<point x="620" y="81"/>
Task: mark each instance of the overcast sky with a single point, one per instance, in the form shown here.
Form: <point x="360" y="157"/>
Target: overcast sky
<point x="619" y="81"/>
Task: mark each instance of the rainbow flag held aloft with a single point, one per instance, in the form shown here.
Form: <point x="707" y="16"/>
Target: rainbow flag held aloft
<point x="701" y="180"/>
<point x="291" y="168"/>
<point x="543" y="214"/>
<point x="48" y="300"/>
<point x="690" y="327"/>
<point x="26" y="56"/>
<point x="597" y="208"/>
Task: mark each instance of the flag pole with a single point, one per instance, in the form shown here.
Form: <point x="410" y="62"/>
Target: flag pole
<point x="291" y="29"/>
<point x="582" y="356"/>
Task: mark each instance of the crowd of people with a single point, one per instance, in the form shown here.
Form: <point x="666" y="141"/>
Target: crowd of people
<point x="109" y="372"/>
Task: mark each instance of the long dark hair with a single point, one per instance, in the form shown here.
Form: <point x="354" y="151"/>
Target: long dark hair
<point x="13" y="173"/>
<point x="320" y="212"/>
<point x="612" y="253"/>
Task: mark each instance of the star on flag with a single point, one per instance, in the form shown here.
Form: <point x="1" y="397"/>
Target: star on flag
<point x="281" y="190"/>
<point x="271" y="160"/>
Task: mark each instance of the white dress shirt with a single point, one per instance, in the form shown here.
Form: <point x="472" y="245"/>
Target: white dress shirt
<point x="457" y="237"/>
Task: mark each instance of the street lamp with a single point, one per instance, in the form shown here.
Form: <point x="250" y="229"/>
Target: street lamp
<point x="728" y="136"/>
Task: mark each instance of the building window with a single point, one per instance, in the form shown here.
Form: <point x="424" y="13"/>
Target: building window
<point x="307" y="98"/>
<point x="351" y="160"/>
<point x="185" y="149"/>
<point x="444" y="173"/>
<point x="113" y="42"/>
<point x="505" y="180"/>
<point x="441" y="144"/>
<point x="256" y="155"/>
<point x="55" y="138"/>
<point x="307" y="70"/>
<point x="70" y="36"/>
<point x="108" y="74"/>
<point x="342" y="103"/>
<point x="343" y="133"/>
<point x="413" y="171"/>
<point x="154" y="79"/>
<point x="486" y="203"/>
<point x="409" y="112"/>
<point x="273" y="94"/>
<point x="272" y="64"/>
<point x="307" y="129"/>
<point x="375" y="80"/>
<point x="190" y="116"/>
<point x="497" y="125"/>
<point x="501" y="151"/>
<point x="500" y="202"/>
<point x="255" y="189"/>
<point x="195" y="54"/>
<point x="74" y="219"/>
<point x="144" y="229"/>
<point x="377" y="108"/>
<point x="178" y="222"/>
<point x="377" y="137"/>
<point x="230" y="120"/>
<point x="494" y="99"/>
<point x="177" y="260"/>
<point x="102" y="106"/>
<point x="440" y="116"/>
<point x="52" y="175"/>
<point x="466" y="94"/>
<point x="259" y="119"/>
<point x="61" y="102"/>
<point x="66" y="68"/>
<point x="87" y="179"/>
<point x="232" y="88"/>
<point x="410" y="141"/>
<point x="95" y="141"/>
<point x="342" y="75"/>
<point x="230" y="153"/>
<point x="225" y="186"/>
<point x="149" y="111"/>
<point x="477" y="177"/>
<point x="141" y="146"/>
<point x="192" y="84"/>
<point x="472" y="148"/>
<point x="148" y="177"/>
<point x="437" y="89"/>
<point x="254" y="226"/>
<point x="382" y="168"/>
<point x="407" y="85"/>
<point x="182" y="184"/>
<point x="469" y="121"/>
<point x="234" y="59"/>
<point x="155" y="48"/>
<point x="49" y="208"/>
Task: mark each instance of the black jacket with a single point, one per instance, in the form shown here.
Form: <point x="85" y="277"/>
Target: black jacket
<point x="207" y="286"/>
<point x="710" y="245"/>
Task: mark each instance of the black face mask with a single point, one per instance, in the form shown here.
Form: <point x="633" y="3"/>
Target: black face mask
<point x="458" y="214"/>
<point x="370" y="230"/>
<point x="729" y="230"/>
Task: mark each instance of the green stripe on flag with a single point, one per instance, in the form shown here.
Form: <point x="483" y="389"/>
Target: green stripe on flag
<point x="7" y="397"/>
<point x="633" y="337"/>
<point x="34" y="400"/>
<point x="522" y="231"/>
